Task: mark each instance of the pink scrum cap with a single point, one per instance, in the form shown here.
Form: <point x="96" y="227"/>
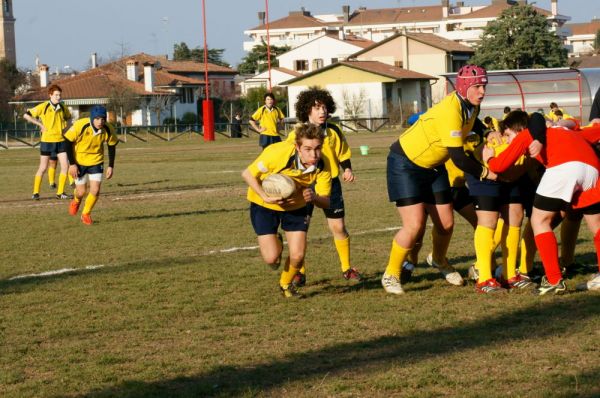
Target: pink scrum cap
<point x="469" y="75"/>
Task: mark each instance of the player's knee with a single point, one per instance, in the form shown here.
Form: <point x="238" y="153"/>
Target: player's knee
<point x="296" y="258"/>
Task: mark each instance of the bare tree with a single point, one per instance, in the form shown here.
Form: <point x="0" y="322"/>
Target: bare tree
<point x="160" y="103"/>
<point x="122" y="101"/>
<point x="354" y="104"/>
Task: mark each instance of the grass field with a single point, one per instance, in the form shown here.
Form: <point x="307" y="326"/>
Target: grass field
<point x="160" y="302"/>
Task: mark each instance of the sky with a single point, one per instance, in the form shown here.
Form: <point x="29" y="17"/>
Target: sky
<point x="65" y="32"/>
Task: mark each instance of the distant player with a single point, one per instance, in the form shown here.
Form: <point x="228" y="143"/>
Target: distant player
<point x="53" y="118"/>
<point x="267" y="120"/>
<point x="85" y="148"/>
<point x="300" y="160"/>
<point x="314" y="106"/>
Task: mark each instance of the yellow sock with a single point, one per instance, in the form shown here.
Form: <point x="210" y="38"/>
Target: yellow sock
<point x="90" y="201"/>
<point x="51" y="175"/>
<point x="71" y="179"/>
<point x="75" y="198"/>
<point x="528" y="250"/>
<point x="397" y="256"/>
<point x="484" y="241"/>
<point x="343" y="249"/>
<point x="510" y="248"/>
<point x="498" y="233"/>
<point x="569" y="229"/>
<point x="302" y="267"/>
<point x="440" y="244"/>
<point x="37" y="183"/>
<point x="62" y="179"/>
<point x="287" y="275"/>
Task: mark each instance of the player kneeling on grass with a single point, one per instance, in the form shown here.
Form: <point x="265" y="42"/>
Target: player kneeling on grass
<point x="85" y="148"/>
<point x="300" y="160"/>
<point x="571" y="179"/>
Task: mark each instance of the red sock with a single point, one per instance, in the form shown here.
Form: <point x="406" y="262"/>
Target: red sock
<point x="597" y="246"/>
<point x="548" y="249"/>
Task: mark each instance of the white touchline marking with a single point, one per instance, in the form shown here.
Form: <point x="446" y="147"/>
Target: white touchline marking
<point x="55" y="272"/>
<point x="209" y="253"/>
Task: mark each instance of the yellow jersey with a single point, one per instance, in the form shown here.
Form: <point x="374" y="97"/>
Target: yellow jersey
<point x="53" y="117"/>
<point x="283" y="158"/>
<point x="515" y="171"/>
<point x="268" y="118"/>
<point x="445" y="125"/>
<point x="88" y="143"/>
<point x="335" y="147"/>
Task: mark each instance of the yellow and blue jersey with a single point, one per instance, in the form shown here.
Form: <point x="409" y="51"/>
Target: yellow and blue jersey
<point x="88" y="143"/>
<point x="268" y="119"/>
<point x="53" y="117"/>
<point x="445" y="125"/>
<point x="283" y="158"/>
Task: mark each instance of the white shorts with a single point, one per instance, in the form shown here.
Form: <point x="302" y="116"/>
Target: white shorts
<point x="92" y="177"/>
<point x="562" y="181"/>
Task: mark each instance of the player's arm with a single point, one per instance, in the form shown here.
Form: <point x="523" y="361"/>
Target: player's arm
<point x="254" y="183"/>
<point x="510" y="155"/>
<point x="70" y="137"/>
<point x="112" y="154"/>
<point x="254" y="118"/>
<point x="344" y="155"/>
<point x="32" y="117"/>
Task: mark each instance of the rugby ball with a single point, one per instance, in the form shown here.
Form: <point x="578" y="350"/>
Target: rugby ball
<point x="278" y="185"/>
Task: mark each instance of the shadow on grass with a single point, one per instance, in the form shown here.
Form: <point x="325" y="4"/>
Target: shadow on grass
<point x="545" y="318"/>
<point x="180" y="214"/>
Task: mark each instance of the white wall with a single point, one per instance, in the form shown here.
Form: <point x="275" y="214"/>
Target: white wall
<point x="324" y="48"/>
<point x="261" y="80"/>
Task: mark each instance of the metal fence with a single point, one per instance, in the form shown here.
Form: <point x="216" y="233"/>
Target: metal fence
<point x="30" y="137"/>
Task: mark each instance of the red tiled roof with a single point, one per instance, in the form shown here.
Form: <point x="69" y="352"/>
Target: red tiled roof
<point x="494" y="11"/>
<point x="287" y="71"/>
<point x="395" y="15"/>
<point x="355" y="40"/>
<point x="100" y="81"/>
<point x="588" y="28"/>
<point x="440" y="42"/>
<point x="387" y="70"/>
<point x="585" y="61"/>
<point x="294" y="20"/>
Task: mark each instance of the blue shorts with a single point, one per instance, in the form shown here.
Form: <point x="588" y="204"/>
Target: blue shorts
<point x="95" y="169"/>
<point x="266" y="140"/>
<point x="410" y="184"/>
<point x="266" y="221"/>
<point x="336" y="200"/>
<point x="491" y="195"/>
<point x="52" y="148"/>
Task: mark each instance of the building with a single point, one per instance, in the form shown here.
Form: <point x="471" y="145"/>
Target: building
<point x="582" y="38"/>
<point x="8" y="48"/>
<point x="420" y="52"/>
<point x="278" y="75"/>
<point x="457" y="22"/>
<point x="161" y="88"/>
<point x="322" y="51"/>
<point x="366" y="89"/>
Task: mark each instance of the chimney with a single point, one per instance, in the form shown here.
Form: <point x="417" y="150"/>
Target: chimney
<point x="261" y="17"/>
<point x="341" y="34"/>
<point x="94" y="60"/>
<point x="149" y="77"/>
<point x="445" y="5"/>
<point x="346" y="12"/>
<point x="44" y="75"/>
<point x="554" y="8"/>
<point x="132" y="70"/>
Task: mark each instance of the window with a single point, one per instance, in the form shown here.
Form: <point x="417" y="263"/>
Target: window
<point x="301" y="65"/>
<point x="6" y="6"/>
<point x="398" y="64"/>
<point x="317" y="63"/>
<point x="334" y="60"/>
<point x="186" y="95"/>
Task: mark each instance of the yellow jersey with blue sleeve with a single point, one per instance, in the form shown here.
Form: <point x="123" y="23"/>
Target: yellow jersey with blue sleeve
<point x="445" y="125"/>
<point x="268" y="119"/>
<point x="283" y="158"/>
<point x="335" y="147"/>
<point x="53" y="117"/>
<point x="88" y="143"/>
